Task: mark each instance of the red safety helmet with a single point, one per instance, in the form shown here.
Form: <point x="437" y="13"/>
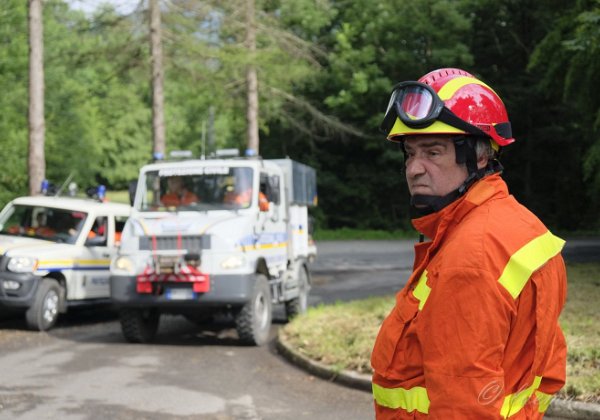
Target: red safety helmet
<point x="447" y="101"/>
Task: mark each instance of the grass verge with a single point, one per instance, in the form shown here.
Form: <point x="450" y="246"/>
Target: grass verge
<point x="342" y="335"/>
<point x="121" y="196"/>
<point x="348" y="234"/>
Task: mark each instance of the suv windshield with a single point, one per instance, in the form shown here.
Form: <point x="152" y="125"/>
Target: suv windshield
<point x="198" y="189"/>
<point x="48" y="223"/>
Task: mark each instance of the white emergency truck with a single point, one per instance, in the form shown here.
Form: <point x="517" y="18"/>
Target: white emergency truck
<point x="215" y="236"/>
<point x="55" y="252"/>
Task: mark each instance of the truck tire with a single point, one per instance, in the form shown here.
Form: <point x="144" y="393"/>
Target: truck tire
<point x="139" y="325"/>
<point x="298" y="305"/>
<point x="253" y="321"/>
<point x="42" y="315"/>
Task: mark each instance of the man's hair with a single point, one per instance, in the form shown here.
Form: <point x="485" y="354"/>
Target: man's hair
<point x="483" y="148"/>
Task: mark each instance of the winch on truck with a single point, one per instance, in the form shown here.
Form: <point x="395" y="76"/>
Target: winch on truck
<point x="216" y="236"/>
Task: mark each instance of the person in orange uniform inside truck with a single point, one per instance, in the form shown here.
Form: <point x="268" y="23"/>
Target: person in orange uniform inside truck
<point x="474" y="333"/>
<point x="177" y="194"/>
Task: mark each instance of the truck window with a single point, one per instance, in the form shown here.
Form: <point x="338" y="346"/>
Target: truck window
<point x="198" y="189"/>
<point x="269" y="186"/>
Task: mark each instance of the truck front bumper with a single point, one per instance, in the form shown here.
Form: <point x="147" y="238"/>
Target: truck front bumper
<point x="24" y="295"/>
<point x="234" y="290"/>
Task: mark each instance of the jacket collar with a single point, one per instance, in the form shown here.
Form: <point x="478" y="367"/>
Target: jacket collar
<point x="435" y="225"/>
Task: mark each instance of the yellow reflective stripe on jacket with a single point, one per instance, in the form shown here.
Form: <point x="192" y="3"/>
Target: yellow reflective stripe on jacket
<point x="543" y="400"/>
<point x="408" y="399"/>
<point x="422" y="291"/>
<point x="528" y="259"/>
<point x="515" y="402"/>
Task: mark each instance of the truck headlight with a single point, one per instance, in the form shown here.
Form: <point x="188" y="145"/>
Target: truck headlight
<point x="233" y="261"/>
<point x="22" y="264"/>
<point x="125" y="264"/>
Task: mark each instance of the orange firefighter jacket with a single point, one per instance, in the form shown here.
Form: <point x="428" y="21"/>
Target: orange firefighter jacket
<point x="172" y="199"/>
<point x="474" y="333"/>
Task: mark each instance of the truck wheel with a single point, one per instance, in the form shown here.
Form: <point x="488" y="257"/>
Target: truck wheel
<point x="253" y="322"/>
<point x="139" y="325"/>
<point x="298" y="305"/>
<point x="42" y="315"/>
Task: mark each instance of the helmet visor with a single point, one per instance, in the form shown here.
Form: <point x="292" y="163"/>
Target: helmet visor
<point x="418" y="106"/>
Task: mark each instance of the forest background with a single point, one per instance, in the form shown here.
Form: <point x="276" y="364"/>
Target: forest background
<point x="325" y="69"/>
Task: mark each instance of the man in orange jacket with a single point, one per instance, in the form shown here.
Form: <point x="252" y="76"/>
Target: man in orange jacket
<point x="474" y="333"/>
<point x="177" y="194"/>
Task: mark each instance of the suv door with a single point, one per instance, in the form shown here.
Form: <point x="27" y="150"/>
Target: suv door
<point x="97" y="253"/>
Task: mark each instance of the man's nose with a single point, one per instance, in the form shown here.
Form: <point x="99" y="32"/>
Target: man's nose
<point x="414" y="167"/>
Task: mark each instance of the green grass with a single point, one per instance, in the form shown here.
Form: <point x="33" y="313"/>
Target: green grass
<point x="580" y="321"/>
<point x="118" y="196"/>
<point x="347" y="234"/>
<point x="342" y="335"/>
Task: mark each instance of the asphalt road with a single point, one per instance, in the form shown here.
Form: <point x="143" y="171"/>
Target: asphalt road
<point x="84" y="369"/>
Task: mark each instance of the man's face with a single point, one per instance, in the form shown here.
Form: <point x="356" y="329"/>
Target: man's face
<point x="175" y="184"/>
<point x="431" y="167"/>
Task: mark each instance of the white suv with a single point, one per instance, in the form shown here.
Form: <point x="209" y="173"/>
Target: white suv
<point x="56" y="252"/>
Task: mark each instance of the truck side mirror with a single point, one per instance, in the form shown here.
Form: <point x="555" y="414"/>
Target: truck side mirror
<point x="132" y="188"/>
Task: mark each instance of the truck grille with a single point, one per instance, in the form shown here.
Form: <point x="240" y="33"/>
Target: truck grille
<point x="190" y="243"/>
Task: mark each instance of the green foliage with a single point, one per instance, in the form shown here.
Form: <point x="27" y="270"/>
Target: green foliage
<point x="325" y="69"/>
<point x="372" y="45"/>
<point x="565" y="63"/>
<point x="96" y="95"/>
<point x="13" y="100"/>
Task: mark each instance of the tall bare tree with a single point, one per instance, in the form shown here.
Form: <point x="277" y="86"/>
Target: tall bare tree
<point x="37" y="159"/>
<point x="158" y="107"/>
<point x="251" y="80"/>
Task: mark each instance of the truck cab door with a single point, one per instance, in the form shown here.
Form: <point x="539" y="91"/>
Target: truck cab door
<point x="274" y="230"/>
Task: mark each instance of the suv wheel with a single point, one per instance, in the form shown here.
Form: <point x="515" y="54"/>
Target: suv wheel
<point x="42" y="315"/>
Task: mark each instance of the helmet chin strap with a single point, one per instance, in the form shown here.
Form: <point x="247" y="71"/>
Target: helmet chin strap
<point x="422" y="205"/>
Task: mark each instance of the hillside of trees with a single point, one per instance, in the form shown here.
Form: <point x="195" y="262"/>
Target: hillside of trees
<point x="324" y="70"/>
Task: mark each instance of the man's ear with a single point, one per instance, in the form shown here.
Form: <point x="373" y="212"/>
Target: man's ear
<point x="482" y="162"/>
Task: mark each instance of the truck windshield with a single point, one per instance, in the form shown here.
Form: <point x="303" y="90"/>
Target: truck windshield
<point x="52" y="224"/>
<point x="198" y="189"/>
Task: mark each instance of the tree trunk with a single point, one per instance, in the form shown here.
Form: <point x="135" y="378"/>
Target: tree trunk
<point x="36" y="160"/>
<point x="252" y="81"/>
<point x="158" y="111"/>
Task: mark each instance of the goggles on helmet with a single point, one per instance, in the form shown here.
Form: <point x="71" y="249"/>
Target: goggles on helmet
<point x="417" y="105"/>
